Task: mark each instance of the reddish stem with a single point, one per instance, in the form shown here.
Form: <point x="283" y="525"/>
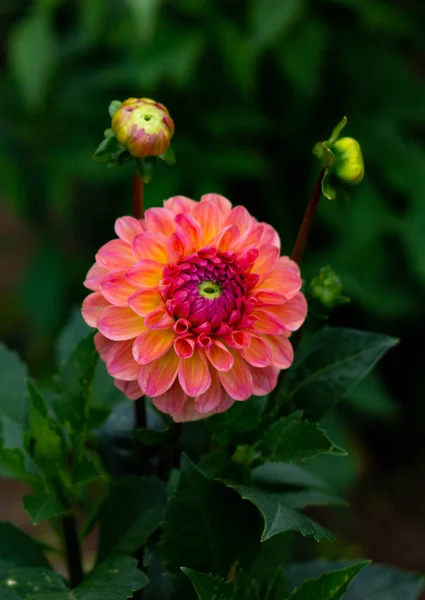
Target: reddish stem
<point x="307" y="222"/>
<point x="137" y="195"/>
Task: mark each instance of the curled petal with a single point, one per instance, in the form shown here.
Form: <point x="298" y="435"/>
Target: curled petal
<point x="259" y="353"/>
<point x="222" y="203"/>
<point x="94" y="277"/>
<point x="194" y="375"/>
<point x="184" y="347"/>
<point x="158" y="376"/>
<point x="131" y="389"/>
<point x="120" y="362"/>
<point x="282" y="351"/>
<point x="151" y="246"/>
<point x="151" y="344"/>
<point x="264" y="380"/>
<point x="127" y="228"/>
<point x="238" y="380"/>
<point x="93" y="305"/>
<point x="220" y="357"/>
<point x="209" y="218"/>
<point x="160" y="220"/>
<point x="116" y="288"/>
<point x="147" y="273"/>
<point x="145" y="301"/>
<point x="103" y="345"/>
<point x="120" y="323"/>
<point x="114" y="255"/>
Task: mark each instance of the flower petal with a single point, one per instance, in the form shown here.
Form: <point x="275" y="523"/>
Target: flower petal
<point x="238" y="380"/>
<point x="131" y="389"/>
<point x="264" y="380"/>
<point x="127" y="228"/>
<point x="115" y="254"/>
<point x="147" y="273"/>
<point x="187" y="224"/>
<point x="284" y="279"/>
<point x="282" y="351"/>
<point x="120" y="362"/>
<point x="103" y="345"/>
<point x="267" y="322"/>
<point x="293" y="312"/>
<point x="116" y="288"/>
<point x="145" y="301"/>
<point x="93" y="305"/>
<point x="94" y="277"/>
<point x="259" y="353"/>
<point x="120" y="323"/>
<point x="159" y="319"/>
<point x="160" y="220"/>
<point x="266" y="259"/>
<point x="194" y="375"/>
<point x="211" y="399"/>
<point x="179" y="204"/>
<point x="184" y="347"/>
<point x="159" y="375"/>
<point x="209" y="218"/>
<point x="172" y="401"/>
<point x="240" y="216"/>
<point x="219" y="356"/>
<point x="151" y="246"/>
<point x="222" y="203"/>
<point x="152" y="344"/>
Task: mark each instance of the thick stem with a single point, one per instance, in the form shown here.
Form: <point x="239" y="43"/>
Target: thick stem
<point x="73" y="550"/>
<point x="307" y="222"/>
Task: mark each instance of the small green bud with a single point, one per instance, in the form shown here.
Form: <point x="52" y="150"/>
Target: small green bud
<point x="349" y="165"/>
<point x="326" y="287"/>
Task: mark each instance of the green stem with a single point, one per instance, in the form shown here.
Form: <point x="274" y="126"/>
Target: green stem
<point x="73" y="550"/>
<point x="307" y="222"/>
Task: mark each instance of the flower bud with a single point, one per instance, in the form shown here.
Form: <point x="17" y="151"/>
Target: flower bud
<point x="326" y="287"/>
<point x="144" y="127"/>
<point x="349" y="165"/>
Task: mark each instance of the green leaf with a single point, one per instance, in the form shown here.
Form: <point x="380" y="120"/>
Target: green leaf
<point x="329" y="586"/>
<point x="32" y="582"/>
<point x="107" y="148"/>
<point x="276" y="475"/>
<point x="113" y="107"/>
<point x="274" y="554"/>
<point x="13" y="398"/>
<point x="42" y="506"/>
<point x="240" y="419"/>
<point x="114" y="579"/>
<point x="279" y="516"/>
<point x="375" y="582"/>
<point x="32" y="76"/>
<point x="74" y="331"/>
<point x="168" y="157"/>
<point x="304" y="498"/>
<point x="206" y="514"/>
<point x="19" y="549"/>
<point x="131" y="512"/>
<point x="87" y="469"/>
<point x="290" y="440"/>
<point x="16" y="463"/>
<point x="209" y="587"/>
<point x="329" y="364"/>
<point x="337" y="130"/>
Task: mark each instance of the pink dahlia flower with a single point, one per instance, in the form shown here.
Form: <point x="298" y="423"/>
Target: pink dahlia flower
<point x="194" y="306"/>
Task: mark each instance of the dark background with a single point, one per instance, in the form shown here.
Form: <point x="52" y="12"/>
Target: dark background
<point x="251" y="86"/>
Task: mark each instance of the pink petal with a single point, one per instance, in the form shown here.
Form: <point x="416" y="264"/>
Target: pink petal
<point x="120" y="362"/>
<point x="159" y="375"/>
<point x="267" y="322"/>
<point x="259" y="353"/>
<point x="114" y="255"/>
<point x="116" y="288"/>
<point x="221" y="202"/>
<point x="159" y="319"/>
<point x="151" y="344"/>
<point x="127" y="228"/>
<point x="147" y="273"/>
<point x="266" y="259"/>
<point x="131" y="389"/>
<point x="188" y="412"/>
<point x="240" y="216"/>
<point x="145" y="301"/>
<point x="194" y="375"/>
<point x="179" y="245"/>
<point x="184" y="347"/>
<point x="269" y="297"/>
<point x="151" y="246"/>
<point x="284" y="279"/>
<point x="187" y="225"/>
<point x="282" y="351"/>
<point x="93" y="305"/>
<point x="227" y="238"/>
<point x="211" y="399"/>
<point x="209" y="218"/>
<point x="172" y="401"/>
<point x="120" y="323"/>
<point x="264" y="380"/>
<point x="293" y="312"/>
<point x="103" y="345"/>
<point x="179" y="204"/>
<point x="238" y="380"/>
<point x="219" y="356"/>
<point x="160" y="220"/>
<point x="94" y="277"/>
<point x="270" y="236"/>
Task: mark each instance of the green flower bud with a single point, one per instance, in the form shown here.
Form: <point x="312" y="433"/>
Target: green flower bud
<point x="144" y="127"/>
<point x="349" y="165"/>
<point x="326" y="287"/>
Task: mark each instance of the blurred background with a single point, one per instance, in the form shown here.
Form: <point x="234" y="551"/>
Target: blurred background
<point x="251" y="85"/>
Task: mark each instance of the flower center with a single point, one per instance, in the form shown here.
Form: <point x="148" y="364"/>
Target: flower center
<point x="209" y="289"/>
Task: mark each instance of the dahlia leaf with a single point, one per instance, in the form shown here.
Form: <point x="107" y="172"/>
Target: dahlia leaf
<point x="329" y="364"/>
<point x="33" y="582"/>
<point x="239" y="420"/>
<point x="43" y="506"/>
<point x="16" y="463"/>
<point x="17" y="549"/>
<point x="274" y="554"/>
<point x="304" y="498"/>
<point x="13" y="398"/>
<point x="282" y="474"/>
<point x="205" y="525"/>
<point x="131" y="512"/>
<point x="114" y="579"/>
<point x="290" y="440"/>
<point x="209" y="587"/>
<point x="329" y="586"/>
<point x="279" y="516"/>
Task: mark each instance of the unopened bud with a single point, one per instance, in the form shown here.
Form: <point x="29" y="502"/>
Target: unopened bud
<point x="326" y="287"/>
<point x="144" y="127"/>
<point x="349" y="165"/>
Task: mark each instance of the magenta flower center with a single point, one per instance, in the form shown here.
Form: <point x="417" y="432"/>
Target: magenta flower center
<point x="208" y="291"/>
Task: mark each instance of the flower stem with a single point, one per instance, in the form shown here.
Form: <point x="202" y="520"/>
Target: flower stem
<point x="73" y="550"/>
<point x="307" y="222"/>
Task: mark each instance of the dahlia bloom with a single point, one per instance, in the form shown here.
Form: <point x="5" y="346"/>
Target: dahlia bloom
<point x="194" y="306"/>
